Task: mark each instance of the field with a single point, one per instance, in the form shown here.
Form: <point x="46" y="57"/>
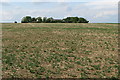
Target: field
<point x="60" y="50"/>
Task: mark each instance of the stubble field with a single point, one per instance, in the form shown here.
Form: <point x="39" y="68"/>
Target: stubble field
<point x="59" y="50"/>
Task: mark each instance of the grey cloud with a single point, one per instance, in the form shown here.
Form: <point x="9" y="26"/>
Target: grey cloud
<point x="5" y="4"/>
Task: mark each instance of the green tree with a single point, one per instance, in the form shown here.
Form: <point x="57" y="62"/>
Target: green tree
<point x="82" y="20"/>
<point x="49" y="20"/>
<point x="39" y="19"/>
<point x="75" y="20"/>
<point x="26" y="19"/>
<point x="68" y="20"/>
<point x="44" y="19"/>
<point x="34" y="20"/>
<point x="15" y="22"/>
<point x="58" y="21"/>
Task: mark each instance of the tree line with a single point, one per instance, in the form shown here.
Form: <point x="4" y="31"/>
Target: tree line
<point x="29" y="19"/>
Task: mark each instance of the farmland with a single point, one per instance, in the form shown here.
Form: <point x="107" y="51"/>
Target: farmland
<point x="59" y="50"/>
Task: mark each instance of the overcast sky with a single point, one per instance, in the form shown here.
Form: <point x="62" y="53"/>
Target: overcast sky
<point x="103" y="11"/>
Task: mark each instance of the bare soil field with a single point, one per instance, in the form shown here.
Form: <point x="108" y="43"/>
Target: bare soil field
<point x="59" y="50"/>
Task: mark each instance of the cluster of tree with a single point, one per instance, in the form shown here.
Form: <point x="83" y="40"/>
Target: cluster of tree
<point x="15" y="22"/>
<point x="29" y="19"/>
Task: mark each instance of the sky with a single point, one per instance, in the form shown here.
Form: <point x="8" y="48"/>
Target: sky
<point x="103" y="11"/>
